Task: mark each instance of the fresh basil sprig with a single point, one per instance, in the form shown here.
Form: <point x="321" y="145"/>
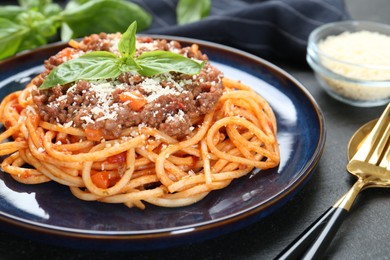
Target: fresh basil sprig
<point x="106" y="65"/>
<point x="97" y="16"/>
<point x="34" y="23"/>
<point x="188" y="11"/>
<point x="10" y="37"/>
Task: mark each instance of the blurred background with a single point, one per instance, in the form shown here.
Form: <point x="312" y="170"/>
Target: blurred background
<point x="374" y="10"/>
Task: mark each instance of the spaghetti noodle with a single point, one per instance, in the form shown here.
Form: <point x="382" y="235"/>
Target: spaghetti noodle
<point x="174" y="162"/>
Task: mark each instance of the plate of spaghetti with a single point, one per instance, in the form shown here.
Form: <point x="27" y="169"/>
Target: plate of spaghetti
<point x="140" y="141"/>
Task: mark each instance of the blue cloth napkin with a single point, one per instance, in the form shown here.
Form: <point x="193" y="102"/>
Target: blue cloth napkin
<point x="271" y="29"/>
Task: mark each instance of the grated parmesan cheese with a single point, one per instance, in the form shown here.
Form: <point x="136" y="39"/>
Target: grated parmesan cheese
<point x="103" y="110"/>
<point x="361" y="55"/>
<point x="180" y="115"/>
<point x="69" y="124"/>
<point x="41" y="150"/>
<point x="149" y="46"/>
<point x="359" y="48"/>
<point x="21" y="119"/>
<point x="30" y="109"/>
<point x="154" y="89"/>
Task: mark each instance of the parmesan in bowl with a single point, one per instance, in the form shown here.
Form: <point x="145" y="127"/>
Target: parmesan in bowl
<point x="351" y="61"/>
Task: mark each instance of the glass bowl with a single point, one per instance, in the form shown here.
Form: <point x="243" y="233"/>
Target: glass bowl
<point x="355" y="71"/>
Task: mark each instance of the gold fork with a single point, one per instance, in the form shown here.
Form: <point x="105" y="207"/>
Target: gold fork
<point x="371" y="165"/>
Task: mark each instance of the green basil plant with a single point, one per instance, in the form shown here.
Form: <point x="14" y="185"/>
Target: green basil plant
<point x="34" y="23"/>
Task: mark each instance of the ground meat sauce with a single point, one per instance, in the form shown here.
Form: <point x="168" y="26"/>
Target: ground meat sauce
<point x="174" y="101"/>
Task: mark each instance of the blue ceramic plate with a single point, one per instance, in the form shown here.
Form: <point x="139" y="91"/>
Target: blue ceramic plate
<point x="50" y="213"/>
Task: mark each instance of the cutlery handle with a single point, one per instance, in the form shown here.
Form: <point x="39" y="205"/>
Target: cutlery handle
<point x="296" y="248"/>
<point x="317" y="249"/>
<point x="316" y="238"/>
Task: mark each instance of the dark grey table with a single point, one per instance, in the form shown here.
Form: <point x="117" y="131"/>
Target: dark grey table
<point x="364" y="235"/>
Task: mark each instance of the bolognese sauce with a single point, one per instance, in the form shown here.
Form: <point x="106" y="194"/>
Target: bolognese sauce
<point x="170" y="102"/>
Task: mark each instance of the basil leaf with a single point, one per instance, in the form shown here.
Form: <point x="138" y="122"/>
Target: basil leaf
<point x="104" y="16"/>
<point x="81" y="1"/>
<point x="45" y="7"/>
<point x="130" y="65"/>
<point x="34" y="3"/>
<point x="10" y="11"/>
<point x="72" y="5"/>
<point x="66" y="32"/>
<point x="91" y="66"/>
<point x="40" y="28"/>
<point x="11" y="37"/>
<point x="47" y="27"/>
<point x="158" y="62"/>
<point x="32" y="40"/>
<point x="126" y="44"/>
<point x="51" y="10"/>
<point x="29" y="18"/>
<point x="100" y="55"/>
<point x="188" y="11"/>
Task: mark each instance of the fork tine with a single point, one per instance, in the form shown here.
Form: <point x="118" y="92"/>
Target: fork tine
<point x="380" y="146"/>
<point x="385" y="163"/>
<point x="366" y="148"/>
